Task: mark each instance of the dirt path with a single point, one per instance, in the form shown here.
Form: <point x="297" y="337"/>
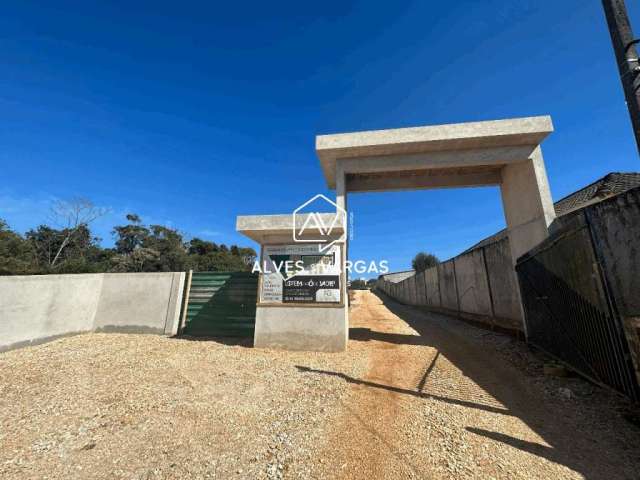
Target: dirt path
<point x="433" y="404"/>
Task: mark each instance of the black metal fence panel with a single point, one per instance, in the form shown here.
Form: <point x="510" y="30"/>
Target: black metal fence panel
<point x="568" y="313"/>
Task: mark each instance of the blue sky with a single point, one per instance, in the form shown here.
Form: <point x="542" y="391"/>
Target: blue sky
<point x="192" y="113"/>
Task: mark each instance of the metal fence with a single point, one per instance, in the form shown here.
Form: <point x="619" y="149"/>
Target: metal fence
<point x="221" y="304"/>
<point x="569" y="311"/>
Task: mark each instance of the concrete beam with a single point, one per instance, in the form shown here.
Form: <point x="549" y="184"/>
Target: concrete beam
<point x="262" y="227"/>
<point x="422" y="181"/>
<point x="481" y="157"/>
<point x="419" y="140"/>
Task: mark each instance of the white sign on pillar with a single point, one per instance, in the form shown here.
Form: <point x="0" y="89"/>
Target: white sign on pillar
<point x="300" y="273"/>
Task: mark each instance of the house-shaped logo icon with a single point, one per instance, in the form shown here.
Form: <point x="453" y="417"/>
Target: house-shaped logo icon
<point x="316" y="227"/>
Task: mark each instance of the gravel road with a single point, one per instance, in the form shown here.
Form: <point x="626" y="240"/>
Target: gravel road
<point x="417" y="395"/>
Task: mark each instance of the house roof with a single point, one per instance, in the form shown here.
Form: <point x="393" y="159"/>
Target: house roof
<point x="396" y="277"/>
<point x="612" y="184"/>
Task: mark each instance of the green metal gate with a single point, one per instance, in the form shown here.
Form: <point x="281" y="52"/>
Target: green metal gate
<point x="221" y="304"/>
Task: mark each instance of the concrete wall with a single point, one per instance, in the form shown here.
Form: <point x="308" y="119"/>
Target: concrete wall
<point x="480" y="285"/>
<point x="421" y="289"/>
<point x="505" y="292"/>
<point x="447" y="283"/>
<point x="615" y="227"/>
<point x="141" y="302"/>
<point x="413" y="291"/>
<point x="37" y="308"/>
<point x="432" y="287"/>
<point x="290" y="328"/>
<point x="472" y="284"/>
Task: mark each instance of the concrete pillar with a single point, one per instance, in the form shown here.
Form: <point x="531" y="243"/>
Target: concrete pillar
<point x="341" y="186"/>
<point x="528" y="209"/>
<point x="341" y="202"/>
<point x="527" y="203"/>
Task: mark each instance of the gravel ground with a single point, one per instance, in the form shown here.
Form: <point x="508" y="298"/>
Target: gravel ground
<point x="416" y="396"/>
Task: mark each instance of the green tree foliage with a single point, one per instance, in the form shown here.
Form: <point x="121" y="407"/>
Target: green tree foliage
<point x="423" y="261"/>
<point x="162" y="249"/>
<point x="202" y="247"/>
<point x="138" y="248"/>
<point x="63" y="251"/>
<point x="130" y="236"/>
<point x="358" y="285"/>
<point x="17" y="256"/>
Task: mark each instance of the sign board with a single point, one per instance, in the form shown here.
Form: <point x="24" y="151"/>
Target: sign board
<point x="300" y="273"/>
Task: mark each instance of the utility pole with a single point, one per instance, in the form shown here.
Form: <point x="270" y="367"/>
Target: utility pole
<point x="624" y="46"/>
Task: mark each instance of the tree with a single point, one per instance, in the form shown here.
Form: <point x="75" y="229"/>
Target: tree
<point x="171" y="249"/>
<point x="208" y="256"/>
<point x="74" y="215"/>
<point x="138" y="248"/>
<point x="201" y="247"/>
<point x="131" y="236"/>
<point x="46" y="242"/>
<point x="140" y="260"/>
<point x="156" y="248"/>
<point x="51" y="251"/>
<point x="17" y="256"/>
<point x="223" y="262"/>
<point x="423" y="261"/>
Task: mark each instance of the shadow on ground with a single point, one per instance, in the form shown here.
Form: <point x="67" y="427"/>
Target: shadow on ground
<point x="559" y="425"/>
<point x="246" y="342"/>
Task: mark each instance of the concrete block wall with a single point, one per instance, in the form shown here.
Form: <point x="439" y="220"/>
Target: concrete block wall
<point x="432" y="287"/>
<point x="447" y="285"/>
<point x="505" y="294"/>
<point x="472" y="284"/>
<point x="38" y="308"/>
<point x="413" y="291"/>
<point x="480" y="285"/>
<point x="615" y="227"/>
<point x="421" y="288"/>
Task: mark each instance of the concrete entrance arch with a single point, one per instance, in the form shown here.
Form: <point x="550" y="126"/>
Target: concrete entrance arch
<point x="503" y="153"/>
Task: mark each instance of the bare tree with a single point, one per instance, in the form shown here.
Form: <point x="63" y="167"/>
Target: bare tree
<point x="70" y="216"/>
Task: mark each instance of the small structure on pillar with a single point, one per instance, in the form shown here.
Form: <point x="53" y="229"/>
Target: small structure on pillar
<point x="504" y="153"/>
<point x="302" y="294"/>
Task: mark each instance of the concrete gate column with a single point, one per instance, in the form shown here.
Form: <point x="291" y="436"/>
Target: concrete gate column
<point x="341" y="202"/>
<point x="527" y="203"/>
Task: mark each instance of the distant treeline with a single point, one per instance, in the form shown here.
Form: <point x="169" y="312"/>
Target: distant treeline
<point x="138" y="247"/>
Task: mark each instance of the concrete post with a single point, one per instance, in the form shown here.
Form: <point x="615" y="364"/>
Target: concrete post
<point x="528" y="207"/>
<point x="341" y="186"/>
<point x="341" y="202"/>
